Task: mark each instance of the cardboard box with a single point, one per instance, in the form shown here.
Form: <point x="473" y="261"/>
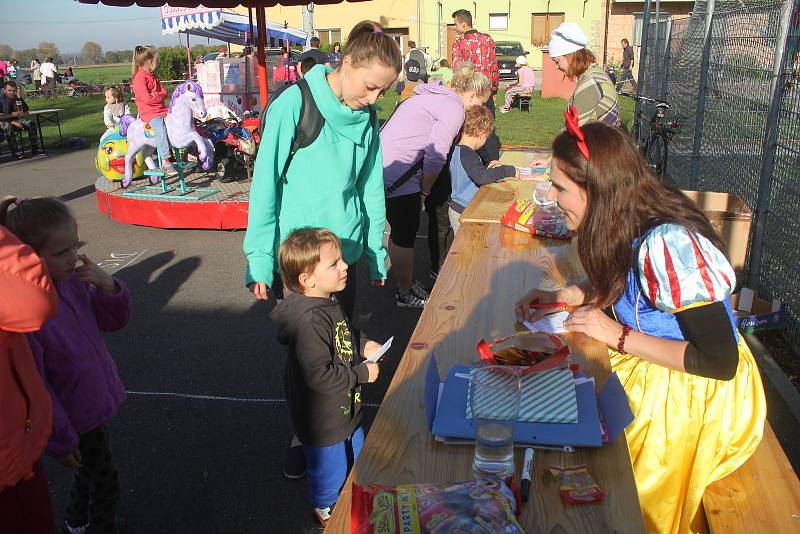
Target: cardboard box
<point x="729" y="216"/>
<point x="228" y="75"/>
<point x="753" y="313"/>
<point x="218" y="104"/>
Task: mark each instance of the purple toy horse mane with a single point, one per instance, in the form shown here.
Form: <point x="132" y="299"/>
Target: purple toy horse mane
<point x="124" y="122"/>
<point x="182" y="89"/>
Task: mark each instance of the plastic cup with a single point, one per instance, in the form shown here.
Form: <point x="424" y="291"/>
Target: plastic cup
<point x="540" y="192"/>
<point x="494" y="402"/>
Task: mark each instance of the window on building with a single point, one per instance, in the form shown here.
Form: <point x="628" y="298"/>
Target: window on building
<point x="638" y="21"/>
<point x="329" y="36"/>
<point x="542" y="25"/>
<point x="498" y="21"/>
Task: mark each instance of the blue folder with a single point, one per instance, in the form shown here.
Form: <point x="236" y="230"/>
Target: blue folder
<point x="446" y="406"/>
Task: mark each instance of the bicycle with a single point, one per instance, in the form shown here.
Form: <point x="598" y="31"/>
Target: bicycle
<point x="655" y="148"/>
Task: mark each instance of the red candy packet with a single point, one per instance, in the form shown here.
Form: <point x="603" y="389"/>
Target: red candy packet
<point x="577" y="484"/>
<point x="475" y="506"/>
<point x="526" y="216"/>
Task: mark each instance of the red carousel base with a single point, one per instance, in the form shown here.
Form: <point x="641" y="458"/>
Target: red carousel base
<point x="209" y="205"/>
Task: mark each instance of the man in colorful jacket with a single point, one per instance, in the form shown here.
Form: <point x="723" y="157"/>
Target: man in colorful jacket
<point x="475" y="47"/>
<point x="27" y="301"/>
<point x="478" y="49"/>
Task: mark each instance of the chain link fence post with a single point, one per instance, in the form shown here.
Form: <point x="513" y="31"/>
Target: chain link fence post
<point x="642" y="70"/>
<point x="770" y="146"/>
<point x="701" y="97"/>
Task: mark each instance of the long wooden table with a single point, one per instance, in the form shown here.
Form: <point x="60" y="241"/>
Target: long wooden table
<point x="487" y="269"/>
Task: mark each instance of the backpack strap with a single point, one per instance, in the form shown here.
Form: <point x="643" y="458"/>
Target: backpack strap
<point x="308" y="127"/>
<point x="405" y="177"/>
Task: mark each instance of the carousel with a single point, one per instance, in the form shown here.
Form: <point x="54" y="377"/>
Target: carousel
<point x="212" y="123"/>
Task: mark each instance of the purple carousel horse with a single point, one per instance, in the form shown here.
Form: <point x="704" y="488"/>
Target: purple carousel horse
<point x="187" y="100"/>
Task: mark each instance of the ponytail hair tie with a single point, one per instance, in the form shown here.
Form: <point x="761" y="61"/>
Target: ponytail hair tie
<point x="377" y="30"/>
<point x="18" y="201"/>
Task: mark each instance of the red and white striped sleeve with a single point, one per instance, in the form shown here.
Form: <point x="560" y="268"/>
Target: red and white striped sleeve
<point x="680" y="269"/>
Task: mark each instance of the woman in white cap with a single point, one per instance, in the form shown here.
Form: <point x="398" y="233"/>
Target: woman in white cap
<point x="524" y="86"/>
<point x="595" y="97"/>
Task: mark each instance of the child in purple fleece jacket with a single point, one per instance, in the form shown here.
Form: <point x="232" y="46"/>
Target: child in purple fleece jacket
<point x="76" y="366"/>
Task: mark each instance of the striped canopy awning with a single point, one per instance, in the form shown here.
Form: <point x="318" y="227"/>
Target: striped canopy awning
<point x="213" y="3"/>
<point x="221" y="25"/>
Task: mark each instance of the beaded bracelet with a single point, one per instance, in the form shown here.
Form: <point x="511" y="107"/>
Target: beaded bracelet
<point x="621" y="345"/>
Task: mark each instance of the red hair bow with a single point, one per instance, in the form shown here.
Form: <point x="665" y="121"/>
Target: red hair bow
<point x="574" y="128"/>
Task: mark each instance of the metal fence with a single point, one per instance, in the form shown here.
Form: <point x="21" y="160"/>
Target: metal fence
<point x="731" y="70"/>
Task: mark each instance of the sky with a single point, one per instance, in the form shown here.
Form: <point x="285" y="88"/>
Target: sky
<point x="69" y="24"/>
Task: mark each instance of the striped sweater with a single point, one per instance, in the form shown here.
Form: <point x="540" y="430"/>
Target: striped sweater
<point x="595" y="97"/>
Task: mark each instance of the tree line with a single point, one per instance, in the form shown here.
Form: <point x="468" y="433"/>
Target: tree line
<point x="92" y="54"/>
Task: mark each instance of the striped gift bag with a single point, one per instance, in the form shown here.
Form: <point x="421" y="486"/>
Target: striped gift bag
<point x="546" y="397"/>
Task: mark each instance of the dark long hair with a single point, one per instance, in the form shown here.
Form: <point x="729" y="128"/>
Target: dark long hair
<point x="624" y="200"/>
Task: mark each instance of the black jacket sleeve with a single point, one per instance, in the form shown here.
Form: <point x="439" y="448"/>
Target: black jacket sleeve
<point x="315" y="356"/>
<point x="712" y="351"/>
<point x="479" y="174"/>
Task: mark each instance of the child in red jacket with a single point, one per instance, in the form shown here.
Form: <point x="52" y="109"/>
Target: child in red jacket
<point x="150" y="95"/>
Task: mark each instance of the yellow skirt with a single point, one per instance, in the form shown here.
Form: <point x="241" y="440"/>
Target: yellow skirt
<point x="688" y="432"/>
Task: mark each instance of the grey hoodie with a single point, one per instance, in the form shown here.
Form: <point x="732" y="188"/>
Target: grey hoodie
<point x="324" y="370"/>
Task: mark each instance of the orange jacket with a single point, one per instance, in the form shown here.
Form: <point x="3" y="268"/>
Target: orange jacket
<point x="27" y="301"/>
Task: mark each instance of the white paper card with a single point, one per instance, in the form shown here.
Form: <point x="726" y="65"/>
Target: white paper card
<point x="551" y="324"/>
<point x="381" y="351"/>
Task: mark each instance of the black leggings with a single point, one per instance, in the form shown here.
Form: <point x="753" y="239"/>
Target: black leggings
<point x="402" y="213"/>
<point x="94" y="495"/>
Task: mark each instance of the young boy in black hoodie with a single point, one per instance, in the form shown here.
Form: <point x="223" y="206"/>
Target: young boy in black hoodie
<point x="325" y="370"/>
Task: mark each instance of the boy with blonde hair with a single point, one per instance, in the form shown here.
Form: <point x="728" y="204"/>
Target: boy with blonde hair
<point x="325" y="369"/>
<point x="467" y="172"/>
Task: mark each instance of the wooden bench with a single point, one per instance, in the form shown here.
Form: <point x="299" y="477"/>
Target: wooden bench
<point x="761" y="496"/>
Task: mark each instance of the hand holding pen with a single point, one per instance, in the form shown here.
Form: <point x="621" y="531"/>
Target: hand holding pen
<point x="537" y="303"/>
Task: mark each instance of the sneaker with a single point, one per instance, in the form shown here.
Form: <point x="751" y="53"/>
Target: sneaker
<point x="419" y="291"/>
<point x="168" y="168"/>
<point x="503" y="110"/>
<point x="409" y="300"/>
<point x="75" y="530"/>
<point x="323" y="514"/>
<point x="295" y="465"/>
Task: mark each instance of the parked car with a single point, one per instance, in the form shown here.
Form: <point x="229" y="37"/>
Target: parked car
<point x="507" y="53"/>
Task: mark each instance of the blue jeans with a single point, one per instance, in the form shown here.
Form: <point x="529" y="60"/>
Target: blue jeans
<point x="162" y="141"/>
<point x="327" y="468"/>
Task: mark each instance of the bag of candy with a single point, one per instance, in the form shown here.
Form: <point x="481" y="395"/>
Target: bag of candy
<point x="577" y="485"/>
<point x="526" y="216"/>
<point x="474" y="507"/>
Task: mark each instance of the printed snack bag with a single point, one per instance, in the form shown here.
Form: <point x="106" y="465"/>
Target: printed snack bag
<point x="526" y="216"/>
<point x="468" y="507"/>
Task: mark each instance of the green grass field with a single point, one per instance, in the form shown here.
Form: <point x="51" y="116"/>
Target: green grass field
<point x="106" y="74"/>
<point x="83" y="116"/>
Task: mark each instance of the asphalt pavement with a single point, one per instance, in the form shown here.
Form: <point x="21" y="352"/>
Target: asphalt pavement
<point x="200" y="442"/>
<point x="201" y="439"/>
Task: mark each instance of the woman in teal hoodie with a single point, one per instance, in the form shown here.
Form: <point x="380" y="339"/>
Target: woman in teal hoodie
<point x="337" y="181"/>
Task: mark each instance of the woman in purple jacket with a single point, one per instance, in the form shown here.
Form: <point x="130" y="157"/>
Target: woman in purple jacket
<point x="416" y="142"/>
<point x="78" y="370"/>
